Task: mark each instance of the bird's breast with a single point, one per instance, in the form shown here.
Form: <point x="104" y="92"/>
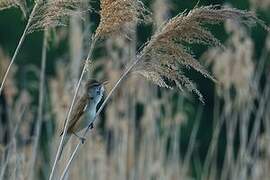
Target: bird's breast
<point x="86" y="119"/>
<point x="90" y="114"/>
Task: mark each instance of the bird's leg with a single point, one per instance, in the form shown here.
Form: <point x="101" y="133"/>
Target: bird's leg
<point x="91" y="125"/>
<point x="81" y="138"/>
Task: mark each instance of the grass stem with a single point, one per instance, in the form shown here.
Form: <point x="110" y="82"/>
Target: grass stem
<point x="40" y="105"/>
<point x="18" y="46"/>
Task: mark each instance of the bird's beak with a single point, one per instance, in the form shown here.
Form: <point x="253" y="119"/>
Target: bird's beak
<point x="104" y="83"/>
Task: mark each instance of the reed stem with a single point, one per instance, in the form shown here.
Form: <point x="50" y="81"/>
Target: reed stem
<point x="40" y="105"/>
<point x="18" y="46"/>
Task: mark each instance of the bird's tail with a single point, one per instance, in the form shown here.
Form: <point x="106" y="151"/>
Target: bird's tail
<point x="65" y="141"/>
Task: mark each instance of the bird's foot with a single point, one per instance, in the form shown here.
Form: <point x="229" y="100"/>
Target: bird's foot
<point x="82" y="140"/>
<point x="91" y="125"/>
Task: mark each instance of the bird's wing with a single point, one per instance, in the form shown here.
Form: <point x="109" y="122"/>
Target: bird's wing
<point x="77" y="112"/>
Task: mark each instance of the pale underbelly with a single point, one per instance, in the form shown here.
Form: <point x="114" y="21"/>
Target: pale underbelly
<point x="84" y="121"/>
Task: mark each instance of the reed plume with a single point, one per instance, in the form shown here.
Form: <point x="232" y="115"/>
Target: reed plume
<point x="116" y="15"/>
<point x="166" y="55"/>
<point x="50" y="14"/>
<point x="5" y="4"/>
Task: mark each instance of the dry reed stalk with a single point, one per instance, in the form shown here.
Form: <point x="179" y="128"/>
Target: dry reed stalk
<point x="11" y="90"/>
<point x="60" y="97"/>
<point x="75" y="46"/>
<point x="5" y="4"/>
<point x="116" y="15"/>
<point x="40" y="106"/>
<point x="18" y="47"/>
<point x="18" y="120"/>
<point x="262" y="164"/>
<point x="14" y="158"/>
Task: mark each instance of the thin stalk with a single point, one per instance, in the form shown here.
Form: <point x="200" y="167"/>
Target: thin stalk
<point x="212" y="146"/>
<point x="259" y="116"/>
<point x="94" y="40"/>
<point x="192" y="140"/>
<point x="18" y="46"/>
<point x="128" y="69"/>
<point x="40" y="104"/>
<point x="8" y="147"/>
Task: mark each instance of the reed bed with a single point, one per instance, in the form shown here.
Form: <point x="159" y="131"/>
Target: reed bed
<point x="144" y="131"/>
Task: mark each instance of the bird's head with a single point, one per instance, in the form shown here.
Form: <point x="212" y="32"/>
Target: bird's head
<point x="95" y="90"/>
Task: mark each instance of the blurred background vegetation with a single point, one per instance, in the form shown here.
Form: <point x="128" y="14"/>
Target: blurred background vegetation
<point x="145" y="132"/>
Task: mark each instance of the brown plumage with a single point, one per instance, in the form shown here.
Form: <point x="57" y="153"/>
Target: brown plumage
<point x="77" y="113"/>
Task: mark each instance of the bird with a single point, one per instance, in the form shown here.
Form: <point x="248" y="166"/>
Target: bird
<point x="84" y="111"/>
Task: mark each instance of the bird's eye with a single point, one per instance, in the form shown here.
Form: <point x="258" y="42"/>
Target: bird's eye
<point x="98" y="87"/>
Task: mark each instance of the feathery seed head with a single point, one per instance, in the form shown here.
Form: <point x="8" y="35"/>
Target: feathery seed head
<point x="5" y="4"/>
<point x="55" y="13"/>
<point x="165" y="56"/>
<point x="116" y="15"/>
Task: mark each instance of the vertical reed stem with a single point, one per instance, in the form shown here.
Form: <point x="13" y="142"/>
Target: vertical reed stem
<point x="18" y="46"/>
<point x="40" y="105"/>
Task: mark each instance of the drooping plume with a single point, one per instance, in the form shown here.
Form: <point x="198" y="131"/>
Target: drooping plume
<point x="166" y="55"/>
<point x="5" y="4"/>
